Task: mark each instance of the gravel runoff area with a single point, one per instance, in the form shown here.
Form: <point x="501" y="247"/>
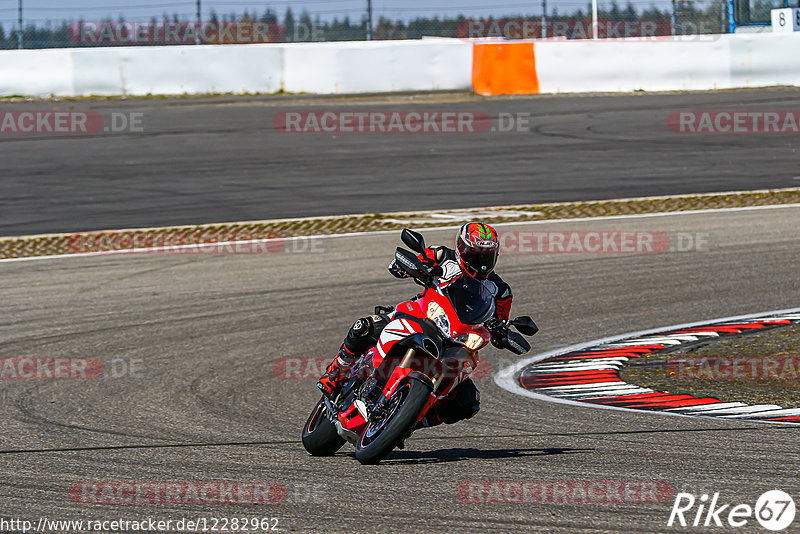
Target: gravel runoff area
<point x="757" y="368"/>
<point x="278" y="229"/>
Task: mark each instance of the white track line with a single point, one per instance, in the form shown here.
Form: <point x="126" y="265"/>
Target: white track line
<point x="135" y="252"/>
<point x="706" y="407"/>
<point x="506" y="377"/>
<point x="786" y="412"/>
<point x="614" y="393"/>
<point x="636" y="390"/>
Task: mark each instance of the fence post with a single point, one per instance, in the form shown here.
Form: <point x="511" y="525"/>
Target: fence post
<point x="19" y="35"/>
<point x="369" y="20"/>
<point x="199" y="24"/>
<point x="544" y="19"/>
<point x="674" y="20"/>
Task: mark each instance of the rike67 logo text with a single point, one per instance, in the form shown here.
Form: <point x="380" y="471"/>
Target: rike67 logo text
<point x="774" y="510"/>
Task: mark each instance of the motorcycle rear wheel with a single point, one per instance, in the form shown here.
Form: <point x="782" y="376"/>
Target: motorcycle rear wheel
<point x="319" y="435"/>
<point x="379" y="439"/>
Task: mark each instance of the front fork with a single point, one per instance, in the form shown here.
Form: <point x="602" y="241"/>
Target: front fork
<point x="403" y="371"/>
<point x="399" y="375"/>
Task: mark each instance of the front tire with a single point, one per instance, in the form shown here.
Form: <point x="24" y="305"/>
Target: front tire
<point x="379" y="439"/>
<point x="319" y="435"/>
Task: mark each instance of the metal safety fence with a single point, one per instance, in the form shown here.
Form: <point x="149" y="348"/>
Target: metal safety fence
<point x="189" y="22"/>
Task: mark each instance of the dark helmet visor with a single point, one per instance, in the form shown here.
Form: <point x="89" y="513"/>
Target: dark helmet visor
<point x="480" y="263"/>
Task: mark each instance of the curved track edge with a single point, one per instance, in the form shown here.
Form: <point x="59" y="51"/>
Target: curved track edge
<point x="609" y="388"/>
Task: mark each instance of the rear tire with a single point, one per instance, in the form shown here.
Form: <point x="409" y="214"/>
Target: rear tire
<point x="372" y="448"/>
<point x="319" y="435"/>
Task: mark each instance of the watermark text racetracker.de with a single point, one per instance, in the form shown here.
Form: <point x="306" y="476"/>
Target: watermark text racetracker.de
<point x="734" y="122"/>
<point x="734" y="368"/>
<point x="187" y="493"/>
<point x="190" y="32"/>
<point x="181" y="493"/>
<point x="511" y="29"/>
<point x="80" y="122"/>
<point x="601" y="242"/>
<point x="69" y="368"/>
<point x="169" y="241"/>
<point x="426" y="121"/>
<point x="313" y="367"/>
<point x="568" y="492"/>
<point x="645" y="30"/>
<point x="185" y="32"/>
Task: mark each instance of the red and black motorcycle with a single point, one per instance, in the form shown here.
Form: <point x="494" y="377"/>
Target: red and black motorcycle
<point x="430" y="346"/>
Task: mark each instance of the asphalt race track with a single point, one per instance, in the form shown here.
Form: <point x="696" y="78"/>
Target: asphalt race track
<point x="205" y="403"/>
<point x="219" y="160"/>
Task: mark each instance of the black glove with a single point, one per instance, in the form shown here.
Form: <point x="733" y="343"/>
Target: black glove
<point x="383" y="310"/>
<point x="430" y="264"/>
<point x="499" y="340"/>
<point x="427" y="262"/>
<point x="499" y="330"/>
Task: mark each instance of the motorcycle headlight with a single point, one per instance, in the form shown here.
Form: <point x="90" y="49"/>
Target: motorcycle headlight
<point x="473" y="341"/>
<point x="439" y="317"/>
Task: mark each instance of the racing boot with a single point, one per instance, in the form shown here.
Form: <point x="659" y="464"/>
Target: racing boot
<point x="362" y="335"/>
<point x="430" y="419"/>
<point x="332" y="381"/>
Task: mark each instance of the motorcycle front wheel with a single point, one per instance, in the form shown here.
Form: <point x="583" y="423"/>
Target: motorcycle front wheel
<point x="319" y="435"/>
<point x="381" y="437"/>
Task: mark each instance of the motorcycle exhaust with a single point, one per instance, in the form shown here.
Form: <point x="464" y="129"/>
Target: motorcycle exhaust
<point x="344" y="433"/>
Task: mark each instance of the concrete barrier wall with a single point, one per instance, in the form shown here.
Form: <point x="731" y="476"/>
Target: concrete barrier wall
<point x="619" y="66"/>
<point x="325" y="68"/>
<point x="378" y="66"/>
<point x="36" y="72"/>
<point x="488" y="67"/>
<point x="763" y="59"/>
<point x="178" y="70"/>
<point x="663" y="64"/>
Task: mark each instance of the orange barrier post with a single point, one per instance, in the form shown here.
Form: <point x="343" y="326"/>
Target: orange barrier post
<point x="504" y="69"/>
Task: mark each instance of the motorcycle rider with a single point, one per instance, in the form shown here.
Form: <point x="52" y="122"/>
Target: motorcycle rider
<point x="475" y="255"/>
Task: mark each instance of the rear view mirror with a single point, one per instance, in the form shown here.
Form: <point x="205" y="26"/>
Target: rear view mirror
<point x="413" y="240"/>
<point x="516" y="343"/>
<point x="525" y="324"/>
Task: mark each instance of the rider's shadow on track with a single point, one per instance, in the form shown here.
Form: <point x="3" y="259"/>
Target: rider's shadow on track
<point x="459" y="454"/>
